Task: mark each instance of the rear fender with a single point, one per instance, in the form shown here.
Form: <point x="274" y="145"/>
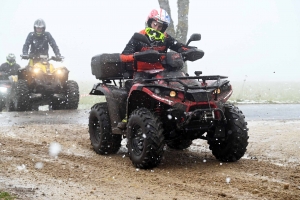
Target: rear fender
<point x="116" y="99"/>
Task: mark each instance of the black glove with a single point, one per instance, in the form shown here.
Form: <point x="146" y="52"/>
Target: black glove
<point x="25" y="56"/>
<point x="59" y="58"/>
<point x="149" y="56"/>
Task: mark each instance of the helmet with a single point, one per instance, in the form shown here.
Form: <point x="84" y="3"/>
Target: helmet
<point x="39" y="23"/>
<point x="11" y="58"/>
<point x="159" y="15"/>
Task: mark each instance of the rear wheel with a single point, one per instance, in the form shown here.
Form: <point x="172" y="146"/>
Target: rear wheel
<point x="103" y="141"/>
<point x="145" y="140"/>
<point x="233" y="146"/>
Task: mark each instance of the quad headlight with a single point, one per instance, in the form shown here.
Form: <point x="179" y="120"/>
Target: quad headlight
<point x="3" y="89"/>
<point x="59" y="71"/>
<point x="217" y="91"/>
<point x="172" y="93"/>
<point x="36" y="70"/>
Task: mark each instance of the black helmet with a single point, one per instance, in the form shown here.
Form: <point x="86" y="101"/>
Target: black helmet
<point x="39" y="23"/>
<point x="11" y="58"/>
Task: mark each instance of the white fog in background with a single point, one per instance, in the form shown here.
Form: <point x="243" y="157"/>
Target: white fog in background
<point x="253" y="39"/>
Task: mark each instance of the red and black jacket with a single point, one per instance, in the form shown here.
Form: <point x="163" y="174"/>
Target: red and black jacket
<point x="134" y="46"/>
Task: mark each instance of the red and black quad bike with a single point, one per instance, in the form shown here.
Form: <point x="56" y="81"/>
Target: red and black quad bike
<point x="171" y="108"/>
<point x="40" y="83"/>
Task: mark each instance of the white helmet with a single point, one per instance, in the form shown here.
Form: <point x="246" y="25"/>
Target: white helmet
<point x="159" y="15"/>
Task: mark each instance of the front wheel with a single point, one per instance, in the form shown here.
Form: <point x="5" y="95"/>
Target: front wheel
<point x="21" y="97"/>
<point x="2" y="104"/>
<point x="103" y="141"/>
<point x="71" y="100"/>
<point x="9" y="105"/>
<point x="145" y="140"/>
<point x="72" y="95"/>
<point x="233" y="146"/>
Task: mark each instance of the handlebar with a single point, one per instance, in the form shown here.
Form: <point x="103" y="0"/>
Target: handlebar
<point x="153" y="56"/>
<point x="55" y="58"/>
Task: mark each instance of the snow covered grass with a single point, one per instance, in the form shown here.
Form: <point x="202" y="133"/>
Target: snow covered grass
<point x="265" y="92"/>
<point x="86" y="101"/>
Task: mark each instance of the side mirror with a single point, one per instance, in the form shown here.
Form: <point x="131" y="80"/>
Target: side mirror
<point x="141" y="38"/>
<point x="194" y="37"/>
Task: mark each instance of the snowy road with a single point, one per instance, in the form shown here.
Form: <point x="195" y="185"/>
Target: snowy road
<point x="251" y="111"/>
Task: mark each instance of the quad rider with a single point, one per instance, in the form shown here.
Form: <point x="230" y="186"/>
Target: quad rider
<point x="39" y="41"/>
<point x="156" y="23"/>
<point x="10" y="67"/>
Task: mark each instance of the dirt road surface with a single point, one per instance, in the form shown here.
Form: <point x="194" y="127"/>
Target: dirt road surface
<point x="29" y="169"/>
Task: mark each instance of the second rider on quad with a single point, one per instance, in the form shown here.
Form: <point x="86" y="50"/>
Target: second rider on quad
<point x="39" y="83"/>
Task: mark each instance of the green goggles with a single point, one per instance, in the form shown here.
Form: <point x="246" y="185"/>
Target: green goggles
<point x="154" y="34"/>
<point x="11" y="62"/>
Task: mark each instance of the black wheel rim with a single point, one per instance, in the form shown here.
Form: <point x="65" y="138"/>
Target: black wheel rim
<point x="137" y="141"/>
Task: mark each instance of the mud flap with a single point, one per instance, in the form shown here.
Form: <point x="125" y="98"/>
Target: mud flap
<point x="219" y="132"/>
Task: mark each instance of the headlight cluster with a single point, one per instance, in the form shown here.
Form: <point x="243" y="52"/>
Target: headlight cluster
<point x="223" y="88"/>
<point x="217" y="91"/>
<point x="161" y="92"/>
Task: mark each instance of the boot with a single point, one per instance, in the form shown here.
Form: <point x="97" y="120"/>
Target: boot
<point x="122" y="124"/>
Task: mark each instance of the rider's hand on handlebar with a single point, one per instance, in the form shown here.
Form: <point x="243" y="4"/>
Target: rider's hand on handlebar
<point x="25" y="56"/>
<point x="59" y="58"/>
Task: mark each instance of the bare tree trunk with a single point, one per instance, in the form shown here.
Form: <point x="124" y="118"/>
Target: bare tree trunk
<point x="182" y="26"/>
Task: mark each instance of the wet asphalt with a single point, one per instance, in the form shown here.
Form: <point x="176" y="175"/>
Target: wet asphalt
<point x="251" y="112"/>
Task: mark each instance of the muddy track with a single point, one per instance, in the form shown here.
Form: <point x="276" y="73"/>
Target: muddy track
<point x="269" y="170"/>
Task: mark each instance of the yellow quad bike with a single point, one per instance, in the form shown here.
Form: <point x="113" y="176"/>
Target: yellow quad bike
<point x="40" y="83"/>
